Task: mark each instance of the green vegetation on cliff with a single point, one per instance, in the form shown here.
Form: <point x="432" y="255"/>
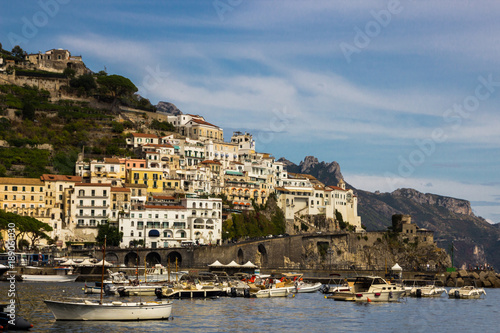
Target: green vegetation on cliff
<point x="265" y="220"/>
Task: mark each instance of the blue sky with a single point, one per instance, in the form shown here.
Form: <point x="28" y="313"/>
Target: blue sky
<point x="400" y="93"/>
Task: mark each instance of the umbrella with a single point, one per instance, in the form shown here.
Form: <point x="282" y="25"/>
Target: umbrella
<point x="396" y="268"/>
<point x="86" y="262"/>
<point x="106" y="263"/>
<point x="68" y="262"/>
<point x="233" y="264"/>
<point x="216" y="264"/>
<point x="249" y="264"/>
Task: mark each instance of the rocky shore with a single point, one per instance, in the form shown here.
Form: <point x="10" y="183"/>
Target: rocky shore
<point x="485" y="279"/>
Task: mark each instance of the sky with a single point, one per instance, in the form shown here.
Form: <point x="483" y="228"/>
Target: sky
<point x="401" y="93"/>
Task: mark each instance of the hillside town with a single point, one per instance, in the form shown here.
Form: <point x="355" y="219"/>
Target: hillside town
<point x="170" y="191"/>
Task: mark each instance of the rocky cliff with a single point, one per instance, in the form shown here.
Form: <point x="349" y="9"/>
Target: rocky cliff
<point x="328" y="173"/>
<point x="166" y="107"/>
<point x="473" y="239"/>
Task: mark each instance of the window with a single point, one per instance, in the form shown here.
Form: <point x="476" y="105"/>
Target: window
<point x="131" y="223"/>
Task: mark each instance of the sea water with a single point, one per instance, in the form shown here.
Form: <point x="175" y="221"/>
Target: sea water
<point x="301" y="313"/>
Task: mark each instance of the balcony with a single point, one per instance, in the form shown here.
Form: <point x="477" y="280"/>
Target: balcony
<point x="92" y="206"/>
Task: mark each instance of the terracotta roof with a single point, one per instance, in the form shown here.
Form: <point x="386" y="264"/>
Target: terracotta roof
<point x="210" y="162"/>
<point x="163" y="197"/>
<point x="202" y="122"/>
<point x="120" y="189"/>
<point x="337" y="188"/>
<point x="48" y="177"/>
<point x="164" y="207"/>
<point x="94" y="184"/>
<point x="144" y="135"/>
<point x="112" y="160"/>
<point x="20" y="181"/>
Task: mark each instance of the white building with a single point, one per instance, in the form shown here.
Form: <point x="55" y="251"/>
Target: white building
<point x="90" y="207"/>
<point x="160" y="225"/>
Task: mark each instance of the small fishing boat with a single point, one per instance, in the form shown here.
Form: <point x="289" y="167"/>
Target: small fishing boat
<point x="49" y="278"/>
<point x="305" y="287"/>
<point x="428" y="290"/>
<point x="119" y="311"/>
<point x="190" y="291"/>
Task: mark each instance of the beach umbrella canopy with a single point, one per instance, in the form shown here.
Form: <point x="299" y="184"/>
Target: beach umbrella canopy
<point x="249" y="264"/>
<point x="216" y="263"/>
<point x="396" y="268"/>
<point x="68" y="262"/>
<point x="106" y="263"/>
<point x="233" y="264"/>
<point x="86" y="263"/>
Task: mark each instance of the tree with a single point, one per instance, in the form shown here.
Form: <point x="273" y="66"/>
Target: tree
<point x="113" y="236"/>
<point x="117" y="85"/>
<point x="18" y="52"/>
<point x="27" y="226"/>
<point x="69" y="72"/>
<point x="85" y="81"/>
<point x="28" y="111"/>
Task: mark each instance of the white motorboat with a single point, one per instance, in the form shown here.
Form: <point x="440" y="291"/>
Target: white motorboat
<point x="429" y="290"/>
<point x="304" y="287"/>
<point x="466" y="292"/>
<point x="371" y="289"/>
<point x="272" y="292"/>
<point x="49" y="278"/>
<point x="119" y="311"/>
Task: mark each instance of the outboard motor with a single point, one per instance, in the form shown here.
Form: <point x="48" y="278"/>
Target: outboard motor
<point x="122" y="292"/>
<point x="457" y="294"/>
<point x="246" y="293"/>
<point x="419" y="293"/>
<point x="158" y="293"/>
<point x="233" y="292"/>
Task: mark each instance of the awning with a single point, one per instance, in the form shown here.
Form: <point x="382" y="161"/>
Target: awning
<point x="154" y="233"/>
<point x="216" y="264"/>
<point x="396" y="268"/>
<point x="249" y="264"/>
<point x="232" y="264"/>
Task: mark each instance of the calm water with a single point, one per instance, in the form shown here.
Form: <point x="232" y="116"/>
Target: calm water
<point x="304" y="312"/>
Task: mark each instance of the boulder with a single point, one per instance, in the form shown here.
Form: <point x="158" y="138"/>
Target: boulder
<point x="487" y="284"/>
<point x="474" y="275"/>
<point x="483" y="275"/>
<point x="450" y="283"/>
<point x="463" y="273"/>
<point x="460" y="282"/>
<point x="453" y="275"/>
<point x="497" y="283"/>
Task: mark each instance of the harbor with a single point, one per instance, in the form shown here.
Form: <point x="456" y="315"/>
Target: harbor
<point x="293" y="314"/>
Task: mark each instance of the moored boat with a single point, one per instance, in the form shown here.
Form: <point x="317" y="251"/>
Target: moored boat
<point x="119" y="311"/>
<point x="49" y="278"/>
<point x="466" y="292"/>
<point x="371" y="289"/>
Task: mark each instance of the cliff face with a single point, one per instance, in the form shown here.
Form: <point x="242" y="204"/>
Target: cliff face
<point x="458" y="206"/>
<point x="328" y="173"/>
<point x="474" y="240"/>
<point x="166" y="107"/>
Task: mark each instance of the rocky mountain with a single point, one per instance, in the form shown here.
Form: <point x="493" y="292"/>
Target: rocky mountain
<point x="328" y="173"/>
<point x="166" y="107"/>
<point x="474" y="240"/>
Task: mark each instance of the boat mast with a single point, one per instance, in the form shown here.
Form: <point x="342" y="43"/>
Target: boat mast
<point x="102" y="274"/>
